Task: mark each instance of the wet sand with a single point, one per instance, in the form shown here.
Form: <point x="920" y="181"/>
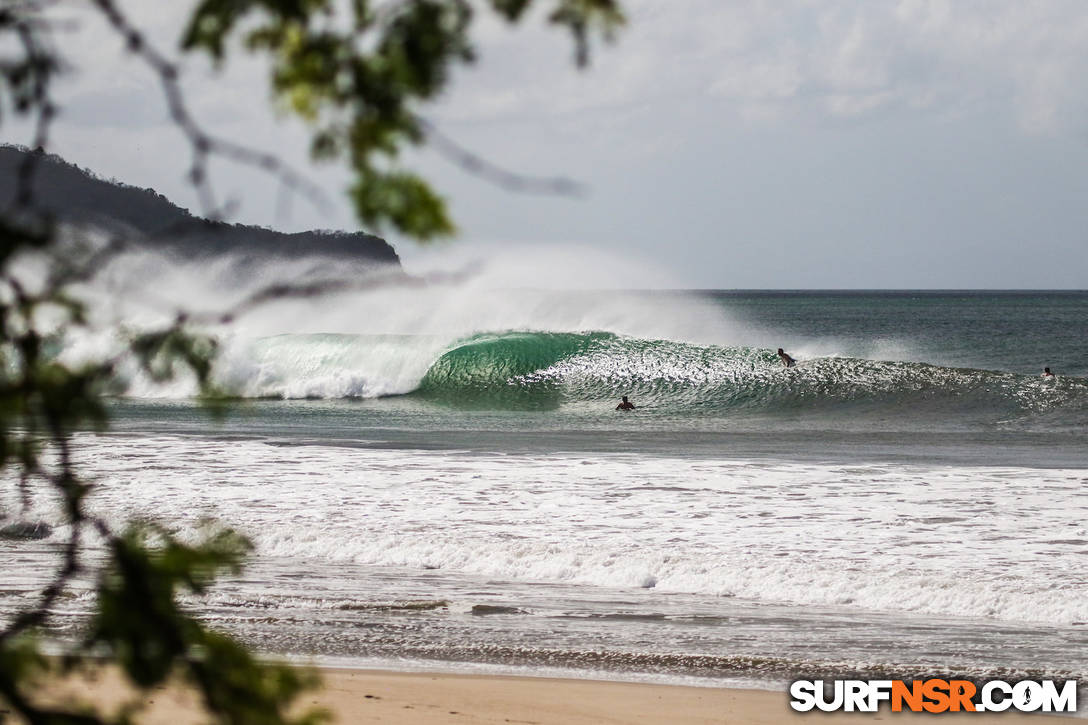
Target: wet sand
<point x="363" y="696"/>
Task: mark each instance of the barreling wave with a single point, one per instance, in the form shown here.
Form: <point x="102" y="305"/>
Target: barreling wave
<point x="546" y="370"/>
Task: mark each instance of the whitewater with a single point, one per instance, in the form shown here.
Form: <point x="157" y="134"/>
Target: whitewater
<point x="434" y="475"/>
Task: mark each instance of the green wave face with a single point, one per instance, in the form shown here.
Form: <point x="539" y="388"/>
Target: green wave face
<point x="505" y="370"/>
<point x="543" y="370"/>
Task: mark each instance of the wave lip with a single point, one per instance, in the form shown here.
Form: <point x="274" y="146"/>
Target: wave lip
<point x="507" y="370"/>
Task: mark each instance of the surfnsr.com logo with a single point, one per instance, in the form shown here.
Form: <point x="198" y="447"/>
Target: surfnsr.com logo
<point x="934" y="696"/>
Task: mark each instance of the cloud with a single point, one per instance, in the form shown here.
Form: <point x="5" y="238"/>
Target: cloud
<point x="836" y="58"/>
<point x="835" y="129"/>
<point x="759" y="61"/>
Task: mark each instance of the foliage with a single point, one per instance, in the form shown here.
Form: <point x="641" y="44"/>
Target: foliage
<point x="139" y="624"/>
<point x="358" y="72"/>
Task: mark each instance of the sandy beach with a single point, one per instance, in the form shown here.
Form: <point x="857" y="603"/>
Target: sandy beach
<point x="357" y="696"/>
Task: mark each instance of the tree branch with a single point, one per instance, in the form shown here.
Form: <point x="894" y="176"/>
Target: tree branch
<point x="509" y="180"/>
<point x="203" y="144"/>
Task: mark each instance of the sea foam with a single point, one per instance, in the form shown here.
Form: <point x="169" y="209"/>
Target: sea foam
<point x="1000" y="543"/>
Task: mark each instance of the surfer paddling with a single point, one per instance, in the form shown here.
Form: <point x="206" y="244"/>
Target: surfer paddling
<point x="786" y="359"/>
<point x="625" y="404"/>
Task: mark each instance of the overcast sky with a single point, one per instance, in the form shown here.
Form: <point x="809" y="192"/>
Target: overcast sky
<point x="746" y="144"/>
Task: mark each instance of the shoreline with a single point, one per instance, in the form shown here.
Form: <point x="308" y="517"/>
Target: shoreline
<point x="429" y="698"/>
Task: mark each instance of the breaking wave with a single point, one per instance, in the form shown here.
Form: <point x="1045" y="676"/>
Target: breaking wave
<point x="546" y="370"/>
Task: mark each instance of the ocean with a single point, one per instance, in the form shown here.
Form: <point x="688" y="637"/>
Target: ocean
<point x="440" y="480"/>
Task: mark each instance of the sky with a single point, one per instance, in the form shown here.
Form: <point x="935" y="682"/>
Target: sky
<point x="744" y="144"/>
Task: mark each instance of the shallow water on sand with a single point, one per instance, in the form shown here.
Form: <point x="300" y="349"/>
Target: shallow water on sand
<point x="670" y="564"/>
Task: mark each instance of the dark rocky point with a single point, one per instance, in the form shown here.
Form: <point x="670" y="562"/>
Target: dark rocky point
<point x="77" y="196"/>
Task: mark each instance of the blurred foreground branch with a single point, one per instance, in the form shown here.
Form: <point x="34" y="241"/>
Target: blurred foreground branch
<point x="357" y="84"/>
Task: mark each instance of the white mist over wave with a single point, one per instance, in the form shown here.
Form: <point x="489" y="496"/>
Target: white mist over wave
<point x="285" y="347"/>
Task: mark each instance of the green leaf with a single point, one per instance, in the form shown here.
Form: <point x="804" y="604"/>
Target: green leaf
<point x="358" y="76"/>
<point x="147" y="568"/>
<point x="405" y="201"/>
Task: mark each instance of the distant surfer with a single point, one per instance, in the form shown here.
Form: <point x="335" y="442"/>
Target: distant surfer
<point x="786" y="359"/>
<point x="625" y="404"/>
<point x="1046" y="374"/>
